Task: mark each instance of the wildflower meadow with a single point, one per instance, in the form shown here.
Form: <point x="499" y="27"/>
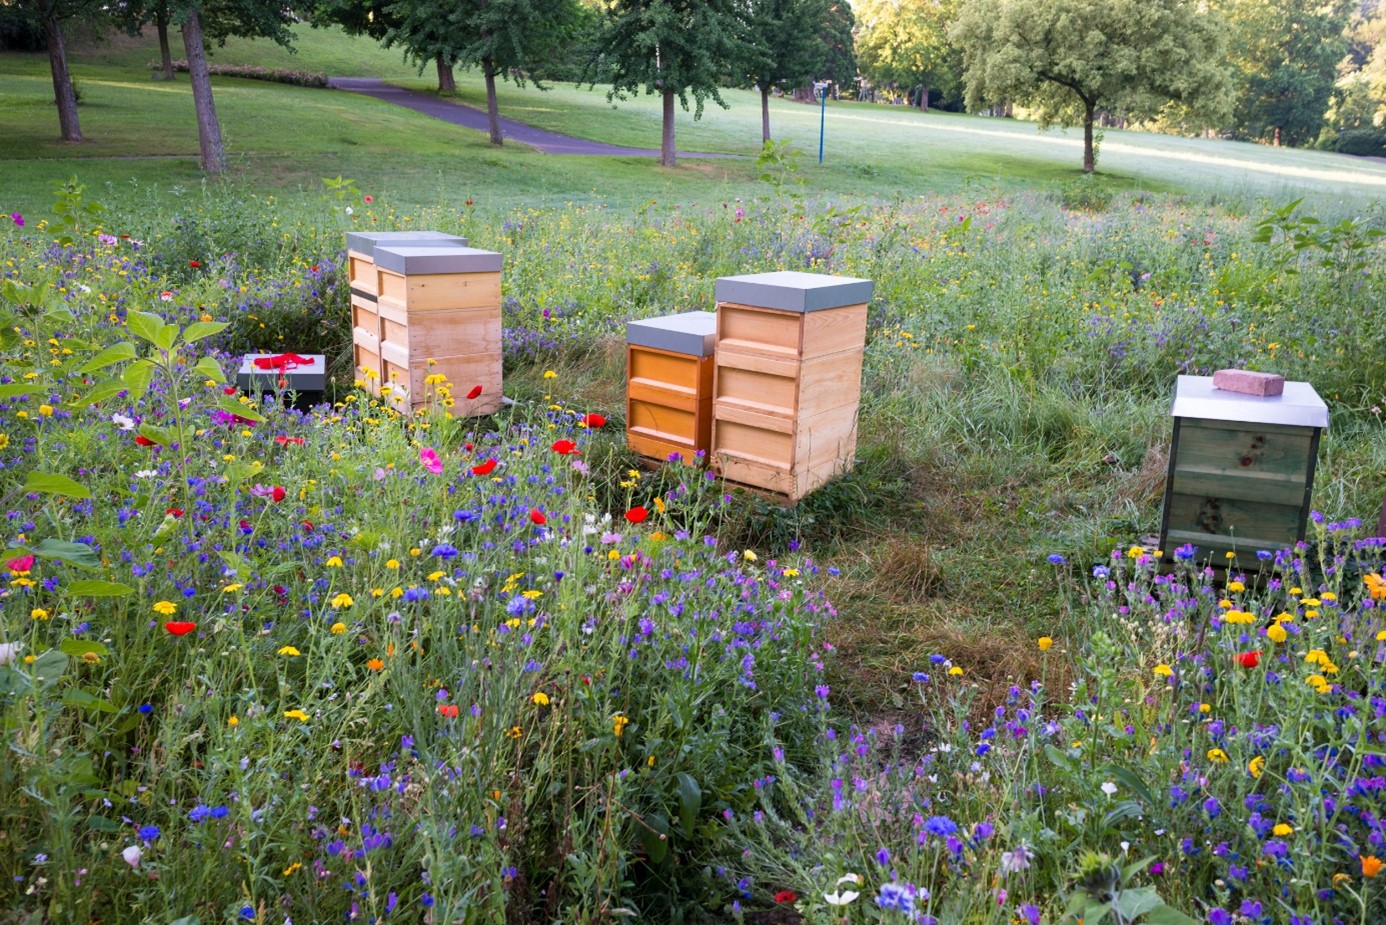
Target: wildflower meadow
<point x="276" y="663"/>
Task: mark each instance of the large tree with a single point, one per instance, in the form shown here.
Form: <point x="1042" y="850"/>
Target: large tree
<point x="1065" y="59"/>
<point x="51" y="16"/>
<point x="786" y="47"/>
<point x="675" y="48"/>
<point x="839" y="61"/>
<point x="905" y="42"/>
<point x="217" y="20"/>
<point x="1286" y="56"/>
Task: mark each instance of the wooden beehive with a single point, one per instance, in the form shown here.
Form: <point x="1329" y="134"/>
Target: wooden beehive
<point x="364" y="287"/>
<point x="669" y="367"/>
<point x="788" y="378"/>
<point x="1241" y="470"/>
<point x="439" y="313"/>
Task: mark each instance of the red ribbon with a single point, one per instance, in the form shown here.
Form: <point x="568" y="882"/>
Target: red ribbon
<point x="284" y="361"/>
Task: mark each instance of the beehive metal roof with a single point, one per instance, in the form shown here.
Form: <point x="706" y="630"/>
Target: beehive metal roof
<point x="1298" y="406"/>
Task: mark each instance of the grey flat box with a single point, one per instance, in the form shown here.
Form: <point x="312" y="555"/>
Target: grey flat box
<point x="309" y="377"/>
<point x="365" y="242"/>
<point x="690" y="333"/>
<point x="794" y="292"/>
<point x="431" y="260"/>
<point x="1298" y="406"/>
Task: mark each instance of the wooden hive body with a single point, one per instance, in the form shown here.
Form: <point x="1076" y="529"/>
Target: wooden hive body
<point x="788" y="379"/>
<point x="436" y="312"/>
<point x="1241" y="471"/>
<point x="669" y="369"/>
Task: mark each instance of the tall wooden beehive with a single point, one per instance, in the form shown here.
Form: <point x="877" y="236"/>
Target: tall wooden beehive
<point x="669" y="367"/>
<point x="439" y="309"/>
<point x="1241" y="470"/>
<point x="364" y="288"/>
<point x="788" y="378"/>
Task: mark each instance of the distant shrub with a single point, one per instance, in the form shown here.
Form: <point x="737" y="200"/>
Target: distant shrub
<point x="1363" y="142"/>
<point x="255" y="72"/>
<point x="1085" y="195"/>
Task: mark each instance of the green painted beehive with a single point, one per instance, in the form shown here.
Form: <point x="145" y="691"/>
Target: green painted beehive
<point x="1241" y="470"/>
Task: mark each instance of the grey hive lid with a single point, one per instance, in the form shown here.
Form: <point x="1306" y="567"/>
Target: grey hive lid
<point x="1298" y="406"/>
<point x="794" y="292"/>
<point x="365" y="242"/>
<point x="429" y="259"/>
<point x="689" y="333"/>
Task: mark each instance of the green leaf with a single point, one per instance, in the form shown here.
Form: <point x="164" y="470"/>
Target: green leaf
<point x="48" y="668"/>
<point x="115" y="353"/>
<point x="1130" y="904"/>
<point x="92" y="588"/>
<point x="1132" y="781"/>
<point x="105" y="389"/>
<point x="655" y="837"/>
<point x="16" y="389"/>
<point x="690" y="801"/>
<point x="78" y="554"/>
<point x="102" y="824"/>
<point x="160" y="435"/>
<point x="1057" y="758"/>
<point x="52" y="484"/>
<point x="137" y="376"/>
<point x="1126" y="809"/>
<point x="1167" y="915"/>
<point x="200" y="329"/>
<point x="209" y="368"/>
<point x="86" y="700"/>
<point x="167" y="336"/>
<point x="144" y="325"/>
<point x="187" y="920"/>
<point x="231" y="406"/>
<point x="80" y="647"/>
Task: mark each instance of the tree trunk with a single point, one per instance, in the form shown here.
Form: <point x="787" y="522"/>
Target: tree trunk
<point x="63" y="93"/>
<point x="165" y="56"/>
<point x="488" y="68"/>
<point x="208" y="128"/>
<point x="1089" y="161"/>
<point x="764" y="115"/>
<point x="446" y="82"/>
<point x="923" y="97"/>
<point x="667" y="156"/>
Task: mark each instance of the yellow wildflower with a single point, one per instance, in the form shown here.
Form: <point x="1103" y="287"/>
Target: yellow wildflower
<point x="342" y="600"/>
<point x="620" y="722"/>
<point x="1045" y="643"/>
<point x="1256" y="765"/>
<point x="1217" y="756"/>
<point x="296" y="714"/>
<point x="540" y="699"/>
<point x="1163" y="671"/>
<point x="167" y="608"/>
<point x="338" y="628"/>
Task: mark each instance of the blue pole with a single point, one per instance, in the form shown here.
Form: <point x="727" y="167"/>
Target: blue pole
<point x="822" y="119"/>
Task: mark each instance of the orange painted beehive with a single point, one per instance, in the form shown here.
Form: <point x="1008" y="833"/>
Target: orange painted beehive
<point x="669" y="366"/>
<point x="439" y="313"/>
<point x="788" y="378"/>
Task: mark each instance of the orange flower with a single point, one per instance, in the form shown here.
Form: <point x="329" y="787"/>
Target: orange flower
<point x="375" y="664"/>
<point x="1371" y="865"/>
<point x="1376" y="585"/>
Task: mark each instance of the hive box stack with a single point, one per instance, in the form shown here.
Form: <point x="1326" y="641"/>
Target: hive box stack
<point x="669" y="366"/>
<point x="440" y="314"/>
<point x="788" y="378"/>
<point x="1241" y="468"/>
<point x="365" y="287"/>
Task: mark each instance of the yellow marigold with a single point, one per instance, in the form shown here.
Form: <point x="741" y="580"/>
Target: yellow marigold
<point x="289" y="651"/>
<point x="540" y="698"/>
<point x="1235" y="586"/>
<point x="342" y="600"/>
<point x="1281" y="830"/>
<point x="620" y="723"/>
<point x="233" y="722"/>
<point x="1045" y="643"/>
<point x="375" y="664"/>
<point x="1217" y="756"/>
<point x="333" y="562"/>
<point x="38" y="613"/>
<point x="296" y="714"/>
<point x="338" y="628"/>
<point x="392" y="564"/>
<point x="956" y="671"/>
<point x="1135" y="552"/>
<point x="232" y="588"/>
<point x="1316" y="657"/>
<point x="167" y="608"/>
<point x="1256" y="765"/>
<point x="1276" y="633"/>
<point x="1163" y="671"/>
<point x="514" y="732"/>
<point x="1371" y="866"/>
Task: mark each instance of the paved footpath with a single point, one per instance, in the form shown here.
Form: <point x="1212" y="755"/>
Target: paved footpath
<point x="473" y="118"/>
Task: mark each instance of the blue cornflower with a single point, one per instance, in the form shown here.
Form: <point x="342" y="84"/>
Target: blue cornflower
<point x="940" y="826"/>
<point x="896" y="896"/>
<point x="149" y="832"/>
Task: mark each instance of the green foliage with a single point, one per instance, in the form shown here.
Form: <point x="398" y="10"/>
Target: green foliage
<point x="779" y="164"/>
<point x="73" y="212"/>
<point x="906" y="44"/>
<point x="1362" y="142"/>
<point x="1086" y="194"/>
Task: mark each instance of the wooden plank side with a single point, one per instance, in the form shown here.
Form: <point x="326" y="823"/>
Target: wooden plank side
<point x="673" y="424"/>
<point x="368" y="367"/>
<point x="441" y="291"/>
<point x="730" y="411"/>
<point x="361" y="273"/>
<point x="659" y="449"/>
<point x="761" y="392"/>
<point x="756" y="474"/>
<point x="675" y="372"/>
<point x="659" y="394"/>
<point x="1245" y="448"/>
<point x="738" y="440"/>
<point x="759" y="330"/>
<point x="1250" y="485"/>
<point x="833" y="330"/>
<point x="826" y="437"/>
<point x="828" y="382"/>
<point x="1232" y="518"/>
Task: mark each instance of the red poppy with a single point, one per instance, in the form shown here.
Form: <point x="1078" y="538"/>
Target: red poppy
<point x="277" y="493"/>
<point x="469" y="202"/>
<point x="1248" y="659"/>
<point x="469" y="447"/>
<point x="474" y="393"/>
<point x="593" y="420"/>
<point x="307" y="525"/>
<point x="369" y="199"/>
<point x="537" y="517"/>
<point x="448" y="710"/>
<point x="785" y="896"/>
<point x="22" y="564"/>
<point x="564" y="447"/>
<point x="637" y="514"/>
<point x="485" y="468"/>
<point x="180" y="627"/>
<point x="175" y="511"/>
<point x="142" y="440"/>
<point x="285" y="441"/>
<point x="229" y="390"/>
<point x="194" y="264"/>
